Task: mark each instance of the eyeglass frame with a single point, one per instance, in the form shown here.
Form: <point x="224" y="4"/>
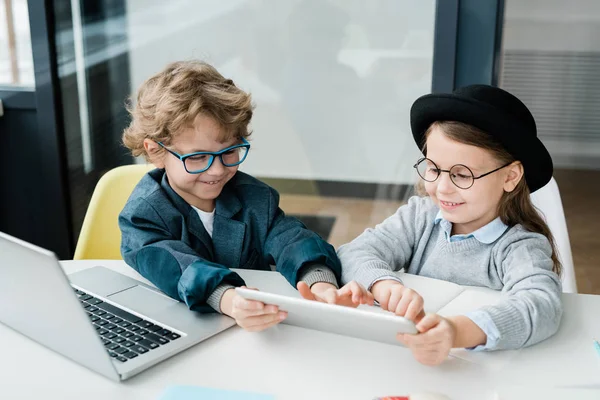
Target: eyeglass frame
<point x="212" y="154"/>
<point x="420" y="160"/>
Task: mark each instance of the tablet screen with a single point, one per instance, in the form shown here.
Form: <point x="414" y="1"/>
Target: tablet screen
<point x="347" y="321"/>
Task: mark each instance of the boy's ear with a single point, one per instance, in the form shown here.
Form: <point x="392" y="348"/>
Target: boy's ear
<point x="514" y="176"/>
<point x="153" y="150"/>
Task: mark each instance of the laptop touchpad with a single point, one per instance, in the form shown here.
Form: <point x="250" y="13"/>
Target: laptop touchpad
<point x="143" y="300"/>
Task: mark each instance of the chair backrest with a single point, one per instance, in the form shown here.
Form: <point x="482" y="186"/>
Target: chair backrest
<point x="547" y="201"/>
<point x="100" y="237"/>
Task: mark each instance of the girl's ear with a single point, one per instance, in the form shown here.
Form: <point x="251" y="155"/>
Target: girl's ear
<point x="153" y="150"/>
<point x="514" y="175"/>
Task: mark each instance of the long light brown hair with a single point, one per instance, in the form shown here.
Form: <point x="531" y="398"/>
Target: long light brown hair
<point x="515" y="207"/>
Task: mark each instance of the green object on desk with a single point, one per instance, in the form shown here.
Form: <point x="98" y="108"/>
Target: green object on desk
<point x="197" y="392"/>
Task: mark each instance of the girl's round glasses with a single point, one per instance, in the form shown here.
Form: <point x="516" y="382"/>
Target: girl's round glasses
<point x="460" y="175"/>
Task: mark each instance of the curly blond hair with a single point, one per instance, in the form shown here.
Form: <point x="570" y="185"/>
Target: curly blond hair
<point x="172" y="99"/>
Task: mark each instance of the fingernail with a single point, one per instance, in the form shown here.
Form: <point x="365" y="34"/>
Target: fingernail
<point x="282" y="316"/>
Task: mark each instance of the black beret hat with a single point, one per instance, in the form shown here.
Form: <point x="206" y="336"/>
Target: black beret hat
<point x="494" y="111"/>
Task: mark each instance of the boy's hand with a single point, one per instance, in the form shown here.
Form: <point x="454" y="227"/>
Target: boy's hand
<point x="434" y="341"/>
<point x="251" y="315"/>
<point x="395" y="297"/>
<point x="351" y="295"/>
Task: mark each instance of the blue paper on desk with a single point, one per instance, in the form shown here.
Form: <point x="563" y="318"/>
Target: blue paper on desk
<point x="196" y="392"/>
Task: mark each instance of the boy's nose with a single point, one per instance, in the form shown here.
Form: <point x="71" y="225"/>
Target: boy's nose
<point x="217" y="167"/>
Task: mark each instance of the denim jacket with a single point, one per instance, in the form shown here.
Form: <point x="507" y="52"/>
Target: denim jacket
<point x="164" y="239"/>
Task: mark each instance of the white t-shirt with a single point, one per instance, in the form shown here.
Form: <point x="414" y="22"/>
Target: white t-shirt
<point x="207" y="219"/>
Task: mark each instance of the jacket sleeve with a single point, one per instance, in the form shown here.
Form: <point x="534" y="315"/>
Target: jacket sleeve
<point x="166" y="261"/>
<point x="291" y="246"/>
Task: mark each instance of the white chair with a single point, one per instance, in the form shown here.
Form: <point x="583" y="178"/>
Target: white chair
<point x="547" y="201"/>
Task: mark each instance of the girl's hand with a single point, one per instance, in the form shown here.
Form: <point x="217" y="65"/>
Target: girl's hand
<point x="395" y="297"/>
<point x="251" y="315"/>
<point x="434" y="341"/>
<point x="351" y="295"/>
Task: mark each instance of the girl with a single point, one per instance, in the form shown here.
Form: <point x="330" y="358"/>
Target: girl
<point x="476" y="226"/>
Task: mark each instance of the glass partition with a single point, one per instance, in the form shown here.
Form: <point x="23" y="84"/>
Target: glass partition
<point x="333" y="82"/>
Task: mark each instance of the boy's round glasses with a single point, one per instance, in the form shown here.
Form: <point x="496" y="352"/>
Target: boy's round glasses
<point x="460" y="175"/>
<point x="195" y="163"/>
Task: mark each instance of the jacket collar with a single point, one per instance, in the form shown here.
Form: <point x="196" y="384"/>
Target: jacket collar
<point x="228" y="204"/>
<point x="228" y="234"/>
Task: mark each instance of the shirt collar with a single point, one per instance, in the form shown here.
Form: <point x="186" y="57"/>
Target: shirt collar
<point x="486" y="234"/>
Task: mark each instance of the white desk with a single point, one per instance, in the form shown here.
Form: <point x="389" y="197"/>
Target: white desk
<point x="295" y="363"/>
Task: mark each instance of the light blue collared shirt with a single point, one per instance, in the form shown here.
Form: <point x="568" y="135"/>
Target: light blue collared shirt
<point x="486" y="234"/>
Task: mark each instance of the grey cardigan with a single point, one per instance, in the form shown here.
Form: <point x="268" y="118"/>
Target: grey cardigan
<point x="518" y="263"/>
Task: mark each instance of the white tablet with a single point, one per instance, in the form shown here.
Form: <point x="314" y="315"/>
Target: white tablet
<point x="333" y="318"/>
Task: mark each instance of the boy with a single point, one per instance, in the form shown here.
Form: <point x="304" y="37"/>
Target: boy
<point x="195" y="216"/>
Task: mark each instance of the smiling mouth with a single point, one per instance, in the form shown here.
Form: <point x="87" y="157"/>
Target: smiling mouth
<point x="450" y="204"/>
<point x="211" y="182"/>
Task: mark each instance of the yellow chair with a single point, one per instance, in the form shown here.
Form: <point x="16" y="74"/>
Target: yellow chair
<point x="100" y="237"/>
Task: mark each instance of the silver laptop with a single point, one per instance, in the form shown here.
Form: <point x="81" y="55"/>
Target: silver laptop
<point x="103" y="320"/>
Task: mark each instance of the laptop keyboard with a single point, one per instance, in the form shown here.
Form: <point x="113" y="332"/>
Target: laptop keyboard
<point x="124" y="335"/>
